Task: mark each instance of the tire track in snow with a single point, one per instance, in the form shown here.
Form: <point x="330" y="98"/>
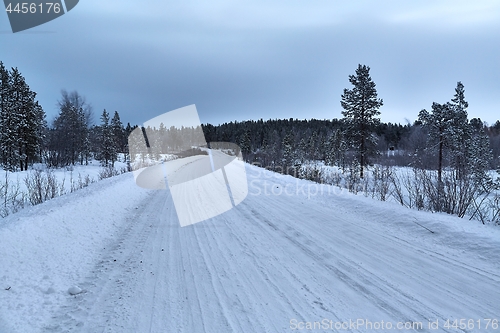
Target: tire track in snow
<point x="348" y="275"/>
<point x="97" y="304"/>
<point x="417" y="274"/>
<point x="257" y="266"/>
<point x="238" y="303"/>
<point x="291" y="277"/>
<point x="367" y="278"/>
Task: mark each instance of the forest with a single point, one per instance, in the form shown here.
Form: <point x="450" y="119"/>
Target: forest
<point x="443" y="161"/>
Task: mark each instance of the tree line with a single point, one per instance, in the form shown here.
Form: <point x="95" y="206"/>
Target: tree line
<point x="264" y="142"/>
<point x="451" y="155"/>
<point x="22" y="122"/>
<point x="441" y="138"/>
<point x="71" y="138"/>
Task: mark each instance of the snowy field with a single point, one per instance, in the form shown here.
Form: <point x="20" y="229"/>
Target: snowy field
<point x="410" y="188"/>
<point x="65" y="175"/>
<point x="112" y="258"/>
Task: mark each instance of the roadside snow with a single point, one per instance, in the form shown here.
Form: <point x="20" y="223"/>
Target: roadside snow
<point x="67" y="175"/>
<point x="113" y="258"/>
<point x="46" y="250"/>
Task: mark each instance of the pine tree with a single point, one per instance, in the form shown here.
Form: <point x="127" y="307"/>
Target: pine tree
<point x="449" y="130"/>
<point x="361" y="108"/>
<point x="336" y="149"/>
<point x="340" y="149"/>
<point x="264" y="157"/>
<point x="162" y="140"/>
<point x="107" y="152"/>
<point x="311" y="146"/>
<point x="4" y="85"/>
<point x="460" y="132"/>
<point x="69" y="142"/>
<point x="5" y="92"/>
<point x="480" y="153"/>
<point x="303" y="149"/>
<point x="321" y="149"/>
<point x="13" y="121"/>
<point x="330" y="152"/>
<point x="86" y="153"/>
<point x="30" y="118"/>
<point x="32" y="135"/>
<point x="117" y="133"/>
<point x="287" y="155"/>
<point x="440" y="126"/>
<point x="245" y="143"/>
<point x="78" y="102"/>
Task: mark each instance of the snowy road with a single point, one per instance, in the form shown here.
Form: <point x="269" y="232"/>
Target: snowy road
<point x="280" y="261"/>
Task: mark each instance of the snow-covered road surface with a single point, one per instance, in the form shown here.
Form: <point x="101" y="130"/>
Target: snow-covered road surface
<point x="273" y="263"/>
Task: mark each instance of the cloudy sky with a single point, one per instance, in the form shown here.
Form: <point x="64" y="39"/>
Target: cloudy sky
<point x="252" y="59"/>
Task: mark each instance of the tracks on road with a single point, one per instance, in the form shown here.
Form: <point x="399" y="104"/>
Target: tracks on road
<point x="265" y="262"/>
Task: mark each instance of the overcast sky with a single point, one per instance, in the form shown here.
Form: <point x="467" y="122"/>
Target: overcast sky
<point x="252" y="59"/>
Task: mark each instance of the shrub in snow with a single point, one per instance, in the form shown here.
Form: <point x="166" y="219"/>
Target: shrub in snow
<point x="41" y="186"/>
<point x="12" y="199"/>
<point x="80" y="182"/>
<point x="108" y="172"/>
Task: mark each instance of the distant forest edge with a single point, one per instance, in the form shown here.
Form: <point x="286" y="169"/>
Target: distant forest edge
<point x="263" y="141"/>
<point x="71" y="137"/>
<point x="450" y="155"/>
<point x="441" y="138"/>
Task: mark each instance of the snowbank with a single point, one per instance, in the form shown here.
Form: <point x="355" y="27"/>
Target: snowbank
<point x="47" y="249"/>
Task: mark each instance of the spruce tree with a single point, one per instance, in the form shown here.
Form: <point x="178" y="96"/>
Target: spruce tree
<point x="287" y="155"/>
<point x="107" y="152"/>
<point x="449" y="131"/>
<point x="330" y="152"/>
<point x="480" y="153"/>
<point x="439" y="123"/>
<point x="161" y="145"/>
<point x="30" y="121"/>
<point x="245" y="143"/>
<point x="460" y="132"/>
<point x="361" y="108"/>
<point x="5" y="92"/>
<point x="311" y="147"/>
<point x="117" y="133"/>
<point x="303" y="149"/>
<point x="69" y="142"/>
<point x="12" y="121"/>
<point x="340" y="148"/>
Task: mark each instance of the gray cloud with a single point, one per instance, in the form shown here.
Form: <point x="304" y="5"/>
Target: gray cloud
<point x="261" y="59"/>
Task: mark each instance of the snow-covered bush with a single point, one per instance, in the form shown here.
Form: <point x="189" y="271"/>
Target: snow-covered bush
<point x="41" y="186"/>
<point x="108" y="172"/>
<point x="81" y="182"/>
<point x="11" y="196"/>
